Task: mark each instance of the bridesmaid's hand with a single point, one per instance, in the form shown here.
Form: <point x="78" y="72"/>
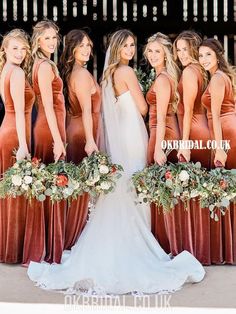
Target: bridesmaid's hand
<point x="160" y="157"/>
<point x="22" y="152"/>
<point x="58" y="150"/>
<point x="220" y="156"/>
<point x="186" y="154"/>
<point x="90" y="147"/>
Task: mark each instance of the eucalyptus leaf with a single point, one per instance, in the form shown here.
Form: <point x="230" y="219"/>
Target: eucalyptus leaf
<point x="225" y="202"/>
<point x="41" y="197"/>
<point x="48" y="192"/>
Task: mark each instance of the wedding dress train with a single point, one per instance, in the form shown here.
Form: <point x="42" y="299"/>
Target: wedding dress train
<point x="116" y="252"/>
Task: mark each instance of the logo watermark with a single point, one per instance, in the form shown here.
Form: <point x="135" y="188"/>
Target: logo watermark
<point x="77" y="302"/>
<point x="195" y="144"/>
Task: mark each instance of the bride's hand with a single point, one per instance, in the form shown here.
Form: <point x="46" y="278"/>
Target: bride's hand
<point x="160" y="157"/>
<point x="90" y="147"/>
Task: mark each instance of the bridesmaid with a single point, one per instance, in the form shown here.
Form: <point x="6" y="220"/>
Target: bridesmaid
<point x="191" y="114"/>
<point x="162" y="98"/>
<point x="18" y="98"/>
<point x="83" y="111"/>
<point x="47" y="220"/>
<point x="219" y="100"/>
<point x="193" y="126"/>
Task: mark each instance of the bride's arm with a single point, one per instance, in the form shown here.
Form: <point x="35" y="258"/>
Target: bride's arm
<point x="133" y="86"/>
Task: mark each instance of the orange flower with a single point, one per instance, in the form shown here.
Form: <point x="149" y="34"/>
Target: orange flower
<point x="168" y="175"/>
<point x="223" y="184"/>
<point x="113" y="169"/>
<point x="35" y="161"/>
<point x="61" y="180"/>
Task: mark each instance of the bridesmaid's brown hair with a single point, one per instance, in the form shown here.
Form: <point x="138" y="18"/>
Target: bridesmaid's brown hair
<point x="223" y="65"/>
<point x="67" y="60"/>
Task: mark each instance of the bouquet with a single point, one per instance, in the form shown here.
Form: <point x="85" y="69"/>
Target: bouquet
<point x="26" y="177"/>
<point x="98" y="174"/>
<point x="219" y="189"/>
<point x="166" y="185"/>
<point x="145" y="80"/>
<point x="64" y="181"/>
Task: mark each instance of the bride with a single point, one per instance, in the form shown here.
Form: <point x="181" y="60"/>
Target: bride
<point x="116" y="252"/>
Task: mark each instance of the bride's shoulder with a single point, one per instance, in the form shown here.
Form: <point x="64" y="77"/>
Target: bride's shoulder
<point x="125" y="72"/>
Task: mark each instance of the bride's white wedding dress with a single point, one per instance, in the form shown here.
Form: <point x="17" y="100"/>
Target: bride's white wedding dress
<point x="116" y="252"/>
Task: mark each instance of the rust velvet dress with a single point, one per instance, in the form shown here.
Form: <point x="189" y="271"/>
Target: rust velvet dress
<point x="13" y="211"/>
<point x="78" y="210"/>
<point x="195" y="222"/>
<point x="199" y="130"/>
<point x="159" y="221"/>
<point x="223" y="232"/>
<point x="46" y="221"/>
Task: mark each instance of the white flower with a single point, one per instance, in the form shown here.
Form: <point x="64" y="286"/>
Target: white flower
<point x="105" y="185"/>
<point x="25" y="187"/>
<point x="141" y="196"/>
<point x="68" y="191"/>
<point x="16" y="166"/>
<point x="28" y="179"/>
<point x="16" y="180"/>
<point x="90" y="182"/>
<point x="183" y="176"/>
<point x="103" y="169"/>
<point x="96" y="179"/>
<point x="76" y="186"/>
<point x="194" y="193"/>
<point x="28" y="165"/>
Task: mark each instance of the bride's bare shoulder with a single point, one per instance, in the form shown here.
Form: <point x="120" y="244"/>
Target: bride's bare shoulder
<point x="124" y="72"/>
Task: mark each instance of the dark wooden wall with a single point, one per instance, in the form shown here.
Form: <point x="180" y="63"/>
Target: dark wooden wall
<point x="143" y="17"/>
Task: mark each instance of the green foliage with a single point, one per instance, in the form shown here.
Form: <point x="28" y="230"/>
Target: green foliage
<point x="166" y="185"/>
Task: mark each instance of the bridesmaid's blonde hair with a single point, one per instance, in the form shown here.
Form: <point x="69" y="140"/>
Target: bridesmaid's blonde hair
<point x="116" y="43"/>
<point x="22" y="36"/>
<point x="171" y="67"/>
<point x="38" y="31"/>
<point x="193" y="41"/>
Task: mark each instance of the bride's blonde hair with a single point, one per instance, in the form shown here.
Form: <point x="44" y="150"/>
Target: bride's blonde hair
<point x="116" y="43"/>
<point x="171" y="67"/>
<point x="23" y="37"/>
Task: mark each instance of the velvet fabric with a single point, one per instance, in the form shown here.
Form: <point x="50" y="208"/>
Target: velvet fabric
<point x="195" y="221"/>
<point x="46" y="221"/>
<point x="159" y="223"/>
<point x="77" y="211"/>
<point x="13" y="211"/>
<point x="199" y="130"/>
<point x="223" y="237"/>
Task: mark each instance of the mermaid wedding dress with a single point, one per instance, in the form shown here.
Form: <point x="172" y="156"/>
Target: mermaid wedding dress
<point x="116" y="252"/>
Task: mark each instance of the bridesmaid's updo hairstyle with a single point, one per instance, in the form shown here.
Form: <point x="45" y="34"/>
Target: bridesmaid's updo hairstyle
<point x="22" y="36"/>
<point x="67" y="60"/>
<point x="116" y="43"/>
<point x="171" y="67"/>
<point x="194" y="42"/>
<point x="38" y="31"/>
<point x="223" y="65"/>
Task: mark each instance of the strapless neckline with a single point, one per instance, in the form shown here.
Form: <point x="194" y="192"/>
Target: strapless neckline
<point x="128" y="91"/>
